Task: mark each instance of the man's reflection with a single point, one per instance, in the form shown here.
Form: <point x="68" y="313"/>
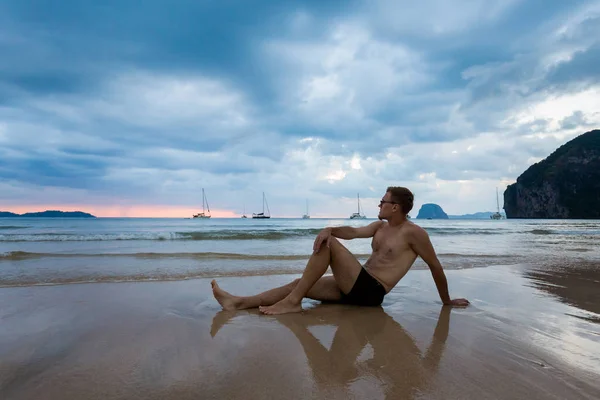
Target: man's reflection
<point x="393" y="360"/>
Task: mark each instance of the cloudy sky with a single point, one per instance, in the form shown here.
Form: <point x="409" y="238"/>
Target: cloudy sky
<point x="128" y="108"/>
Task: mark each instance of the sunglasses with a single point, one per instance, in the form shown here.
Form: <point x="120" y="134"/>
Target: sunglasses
<point x="382" y="202"/>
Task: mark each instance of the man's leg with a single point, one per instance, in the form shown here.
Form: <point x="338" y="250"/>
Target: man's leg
<point x="326" y="289"/>
<point x="231" y="302"/>
<point x="344" y="265"/>
<point x="345" y="269"/>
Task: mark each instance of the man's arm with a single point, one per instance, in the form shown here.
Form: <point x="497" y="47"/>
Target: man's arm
<point x="349" y="232"/>
<point x="422" y="246"/>
<point x="345" y="232"/>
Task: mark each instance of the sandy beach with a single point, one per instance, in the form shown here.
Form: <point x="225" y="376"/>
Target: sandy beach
<point x="522" y="337"/>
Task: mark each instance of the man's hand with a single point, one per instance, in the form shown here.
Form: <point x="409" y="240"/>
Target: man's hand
<point x="323" y="237"/>
<point x="458" y="303"/>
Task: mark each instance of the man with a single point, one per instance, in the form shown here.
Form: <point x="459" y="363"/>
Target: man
<point x="396" y="245"/>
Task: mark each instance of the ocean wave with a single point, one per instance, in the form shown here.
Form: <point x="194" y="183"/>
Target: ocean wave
<point x="144" y="277"/>
<point x="270" y="234"/>
<point x="228" y="234"/>
<point x="581" y="233"/>
<point x="265" y="234"/>
<point x="542" y="232"/>
<point x="24" y="255"/>
<point x="166" y="276"/>
<point x="65" y="237"/>
<point x="465" y="231"/>
<point x="7" y="227"/>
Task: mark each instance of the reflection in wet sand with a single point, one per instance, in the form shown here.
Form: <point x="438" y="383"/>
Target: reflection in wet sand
<point x="393" y="362"/>
<point x="574" y="283"/>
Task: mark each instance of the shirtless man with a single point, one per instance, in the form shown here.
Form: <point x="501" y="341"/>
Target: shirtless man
<point x="396" y="245"/>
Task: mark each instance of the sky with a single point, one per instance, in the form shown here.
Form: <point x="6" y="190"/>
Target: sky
<point x="129" y="109"/>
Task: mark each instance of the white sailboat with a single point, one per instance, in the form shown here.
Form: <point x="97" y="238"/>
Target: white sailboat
<point x="262" y="215"/>
<point x="307" y="215"/>
<point x="497" y="214"/>
<point x="358" y="215"/>
<point x="203" y="214"/>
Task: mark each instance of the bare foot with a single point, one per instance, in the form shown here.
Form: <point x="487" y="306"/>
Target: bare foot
<point x="226" y="300"/>
<point x="283" y="307"/>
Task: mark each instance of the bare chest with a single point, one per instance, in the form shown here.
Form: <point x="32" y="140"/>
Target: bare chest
<point x="389" y="243"/>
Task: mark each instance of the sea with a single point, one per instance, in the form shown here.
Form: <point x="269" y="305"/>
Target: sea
<point x="52" y="251"/>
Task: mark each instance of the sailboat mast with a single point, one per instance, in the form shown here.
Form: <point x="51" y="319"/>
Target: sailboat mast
<point x="358" y="201"/>
<point x="497" y="202"/>
<point x="267" y="203"/>
<point x="263" y="203"/>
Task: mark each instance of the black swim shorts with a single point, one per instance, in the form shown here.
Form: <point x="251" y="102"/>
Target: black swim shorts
<point x="367" y="291"/>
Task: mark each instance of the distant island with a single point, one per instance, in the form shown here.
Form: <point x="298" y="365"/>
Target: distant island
<point x="431" y="211"/>
<point x="47" y="214"/>
<point x="477" y="215"/>
<point x="564" y="185"/>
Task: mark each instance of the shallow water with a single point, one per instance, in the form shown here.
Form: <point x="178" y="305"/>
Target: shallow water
<point x="53" y="251"/>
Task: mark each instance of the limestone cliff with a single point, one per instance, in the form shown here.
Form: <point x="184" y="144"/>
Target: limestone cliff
<point x="564" y="185"/>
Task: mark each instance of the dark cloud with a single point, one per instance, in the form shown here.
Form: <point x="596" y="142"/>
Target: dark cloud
<point x="69" y="173"/>
<point x="74" y="45"/>
<point x="582" y="68"/>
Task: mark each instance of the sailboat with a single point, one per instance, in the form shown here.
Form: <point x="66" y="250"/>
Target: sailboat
<point x="307" y="215"/>
<point x="497" y="214"/>
<point x="204" y="201"/>
<point x="358" y="215"/>
<point x="244" y="214"/>
<point x="262" y="215"/>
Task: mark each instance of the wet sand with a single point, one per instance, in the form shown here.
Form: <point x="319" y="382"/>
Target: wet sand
<point x="527" y="334"/>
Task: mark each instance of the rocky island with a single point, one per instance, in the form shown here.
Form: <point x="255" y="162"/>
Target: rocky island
<point x="431" y="211"/>
<point x="564" y="185"/>
<point x="47" y="214"/>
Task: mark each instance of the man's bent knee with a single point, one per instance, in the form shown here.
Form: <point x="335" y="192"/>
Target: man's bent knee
<point x="335" y="247"/>
<point x="333" y="243"/>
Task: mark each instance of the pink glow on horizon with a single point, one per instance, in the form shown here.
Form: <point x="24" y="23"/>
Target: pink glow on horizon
<point x="138" y="211"/>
